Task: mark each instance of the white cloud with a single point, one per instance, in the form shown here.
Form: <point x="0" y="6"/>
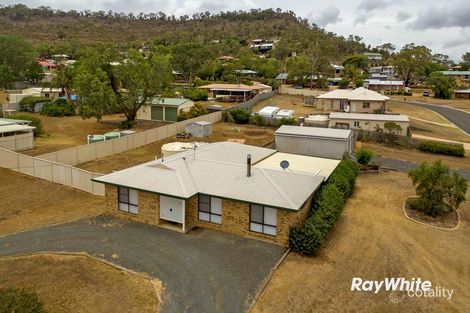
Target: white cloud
<point x="454" y="14"/>
<point x="327" y="16"/>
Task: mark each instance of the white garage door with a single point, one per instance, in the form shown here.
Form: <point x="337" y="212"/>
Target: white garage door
<point x="172" y="209"/>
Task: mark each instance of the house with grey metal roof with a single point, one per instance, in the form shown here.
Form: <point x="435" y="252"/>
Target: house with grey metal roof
<point x="227" y="186"/>
<point x="164" y="109"/>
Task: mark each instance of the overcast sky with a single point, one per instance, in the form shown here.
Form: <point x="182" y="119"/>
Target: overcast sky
<point x="444" y="26"/>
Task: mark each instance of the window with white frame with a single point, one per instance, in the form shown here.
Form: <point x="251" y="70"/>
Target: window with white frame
<point x="263" y="219"/>
<point x="128" y="200"/>
<point x="356" y="124"/>
<point x="210" y="209"/>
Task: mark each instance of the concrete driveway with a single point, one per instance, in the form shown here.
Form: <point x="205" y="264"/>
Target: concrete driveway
<point x="202" y="271"/>
<point x="460" y="118"/>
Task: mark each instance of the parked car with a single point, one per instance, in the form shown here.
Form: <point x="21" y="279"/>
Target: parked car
<point x="426" y="93"/>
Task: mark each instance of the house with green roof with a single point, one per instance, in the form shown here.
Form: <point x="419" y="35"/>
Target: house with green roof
<point x="164" y="109"/>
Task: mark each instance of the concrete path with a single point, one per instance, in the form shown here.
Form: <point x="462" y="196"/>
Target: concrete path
<point x="406" y="166"/>
<point x="202" y="271"/>
<point x="458" y="117"/>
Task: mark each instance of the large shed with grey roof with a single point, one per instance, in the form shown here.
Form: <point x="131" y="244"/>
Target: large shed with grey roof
<point x="314" y="141"/>
<point x="226" y="186"/>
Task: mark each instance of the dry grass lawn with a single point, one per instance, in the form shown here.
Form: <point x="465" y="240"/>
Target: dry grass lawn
<point x="461" y="104"/>
<point x="416" y="156"/>
<point x="288" y="102"/>
<point x="373" y="240"/>
<point x="251" y="134"/>
<point x="416" y="111"/>
<point x="29" y="202"/>
<point x="78" y="284"/>
<point x="65" y="132"/>
<point x="437" y="131"/>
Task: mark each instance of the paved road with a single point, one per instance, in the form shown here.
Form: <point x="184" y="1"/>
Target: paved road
<point x="406" y="166"/>
<point x="202" y="271"/>
<point x="460" y="118"/>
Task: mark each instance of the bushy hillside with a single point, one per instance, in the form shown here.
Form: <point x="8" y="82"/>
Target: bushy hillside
<point x="233" y="30"/>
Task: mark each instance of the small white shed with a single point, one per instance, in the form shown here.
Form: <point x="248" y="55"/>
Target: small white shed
<point x="319" y="142"/>
<point x="268" y="111"/>
<point x="199" y="129"/>
<point x="285" y="114"/>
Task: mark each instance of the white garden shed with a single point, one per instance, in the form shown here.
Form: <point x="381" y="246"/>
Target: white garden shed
<point x="268" y="111"/>
<point x="199" y="129"/>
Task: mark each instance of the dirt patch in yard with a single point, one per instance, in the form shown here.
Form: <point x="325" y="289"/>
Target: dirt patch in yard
<point x="406" y="154"/>
<point x="70" y="131"/>
<point x="250" y="134"/>
<point x="373" y="240"/>
<point x="78" y="284"/>
<point x="29" y="202"/>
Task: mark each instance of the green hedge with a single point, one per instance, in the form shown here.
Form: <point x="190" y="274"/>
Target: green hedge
<point x="35" y="121"/>
<point x="442" y="148"/>
<point x="20" y="300"/>
<point x="27" y="103"/>
<point x="58" y="108"/>
<point x="326" y="208"/>
<point x="240" y="116"/>
<point x="195" y="94"/>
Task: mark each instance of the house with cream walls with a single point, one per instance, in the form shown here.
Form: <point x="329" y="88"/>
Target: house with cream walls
<point x="359" y="100"/>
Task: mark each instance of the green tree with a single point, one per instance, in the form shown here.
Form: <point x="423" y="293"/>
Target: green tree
<point x="357" y="61"/>
<point x="64" y="80"/>
<point x="364" y="156"/>
<point x="6" y="77"/>
<point x="95" y="82"/>
<point x="96" y="94"/>
<point x="437" y="188"/>
<point x="141" y="79"/>
<point x="188" y="58"/>
<point x="410" y="63"/>
<point x="443" y="86"/>
<point x="34" y="72"/>
<point x="465" y="61"/>
<point x="299" y="68"/>
<point x="392" y="129"/>
<point x="15" y="55"/>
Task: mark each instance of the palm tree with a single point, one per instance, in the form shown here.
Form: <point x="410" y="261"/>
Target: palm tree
<point x="64" y="80"/>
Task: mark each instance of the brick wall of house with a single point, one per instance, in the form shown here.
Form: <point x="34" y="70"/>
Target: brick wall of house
<point x="236" y="220"/>
<point x="235" y="215"/>
<point x="149" y="205"/>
